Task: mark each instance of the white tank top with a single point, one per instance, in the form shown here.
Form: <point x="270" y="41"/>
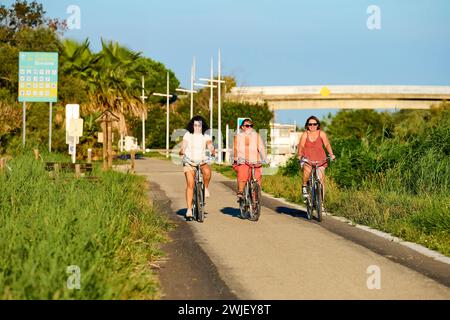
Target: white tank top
<point x="196" y="146"/>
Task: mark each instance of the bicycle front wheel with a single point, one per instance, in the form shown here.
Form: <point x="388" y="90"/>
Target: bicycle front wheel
<point x="255" y="201"/>
<point x="200" y="203"/>
<point x="319" y="201"/>
<point x="309" y="205"/>
<point x="243" y="203"/>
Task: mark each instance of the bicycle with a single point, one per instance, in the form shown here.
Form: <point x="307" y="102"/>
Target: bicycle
<point x="315" y="190"/>
<point x="198" y="202"/>
<point x="250" y="202"/>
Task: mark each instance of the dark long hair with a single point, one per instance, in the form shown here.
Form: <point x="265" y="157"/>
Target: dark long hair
<point x="312" y="118"/>
<point x="190" y="126"/>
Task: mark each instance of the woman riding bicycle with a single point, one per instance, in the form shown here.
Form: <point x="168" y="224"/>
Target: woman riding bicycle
<point x="193" y="147"/>
<point x="311" y="148"/>
<point x="248" y="149"/>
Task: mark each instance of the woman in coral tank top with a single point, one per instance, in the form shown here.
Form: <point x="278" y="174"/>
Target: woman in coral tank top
<point x="311" y="147"/>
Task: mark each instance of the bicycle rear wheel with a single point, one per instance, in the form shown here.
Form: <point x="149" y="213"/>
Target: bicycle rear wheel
<point x="319" y="201"/>
<point x="255" y="201"/>
<point x="200" y="203"/>
<point x="243" y="204"/>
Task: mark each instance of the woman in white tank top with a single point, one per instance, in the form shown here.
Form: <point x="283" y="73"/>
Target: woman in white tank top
<point x="195" y="143"/>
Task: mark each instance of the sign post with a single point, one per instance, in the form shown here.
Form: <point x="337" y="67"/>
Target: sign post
<point x="38" y="82"/>
<point x="74" y="128"/>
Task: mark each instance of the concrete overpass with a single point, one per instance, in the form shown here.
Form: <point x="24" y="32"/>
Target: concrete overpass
<point x="343" y="97"/>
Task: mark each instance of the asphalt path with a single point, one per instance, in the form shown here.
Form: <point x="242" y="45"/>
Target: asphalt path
<point x="282" y="256"/>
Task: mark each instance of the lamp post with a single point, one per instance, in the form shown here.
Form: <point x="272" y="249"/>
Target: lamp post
<point x="219" y="83"/>
<point x="168" y="96"/>
<point x="143" y="98"/>
<point x="211" y="98"/>
<point x="192" y="91"/>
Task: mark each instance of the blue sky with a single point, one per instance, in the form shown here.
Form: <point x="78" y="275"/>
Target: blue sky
<point x="284" y="42"/>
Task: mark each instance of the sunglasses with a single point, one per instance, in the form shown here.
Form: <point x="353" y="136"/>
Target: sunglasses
<point x="248" y="125"/>
<point x="313" y="124"/>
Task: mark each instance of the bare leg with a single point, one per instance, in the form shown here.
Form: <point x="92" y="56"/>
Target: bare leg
<point x="241" y="186"/>
<point x="322" y="180"/>
<point x="190" y="181"/>
<point x="206" y="170"/>
<point x="306" y="174"/>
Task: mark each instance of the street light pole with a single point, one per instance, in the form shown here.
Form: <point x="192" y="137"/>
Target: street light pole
<point x="220" y="106"/>
<point x="168" y="96"/>
<point x="192" y="91"/>
<point x="143" y="98"/>
<point x="219" y="83"/>
<point x="211" y="98"/>
<point x="193" y="70"/>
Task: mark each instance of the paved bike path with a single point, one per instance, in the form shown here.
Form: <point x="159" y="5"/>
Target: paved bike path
<point x="282" y="257"/>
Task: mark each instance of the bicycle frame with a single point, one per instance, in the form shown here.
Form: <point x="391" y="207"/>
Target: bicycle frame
<point x="198" y="208"/>
<point x="249" y="209"/>
<point x="315" y="189"/>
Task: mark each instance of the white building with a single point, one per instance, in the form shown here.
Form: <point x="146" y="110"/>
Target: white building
<point x="128" y="144"/>
<point x="284" y="139"/>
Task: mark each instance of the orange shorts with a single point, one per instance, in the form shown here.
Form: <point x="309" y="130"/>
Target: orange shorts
<point x="244" y="172"/>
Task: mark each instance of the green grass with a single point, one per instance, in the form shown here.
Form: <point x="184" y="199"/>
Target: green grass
<point x="107" y="228"/>
<point x="157" y="155"/>
<point x="423" y="219"/>
<point x="227" y="171"/>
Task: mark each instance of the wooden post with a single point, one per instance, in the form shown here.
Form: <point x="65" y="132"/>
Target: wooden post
<point x="56" y="168"/>
<point x="109" y="145"/>
<point x="89" y="160"/>
<point x="2" y="164"/>
<point x="36" y="153"/>
<point x="105" y="139"/>
<point x="77" y="171"/>
<point x="133" y="161"/>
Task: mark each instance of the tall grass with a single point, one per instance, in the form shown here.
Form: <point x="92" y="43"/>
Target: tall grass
<point x="422" y="219"/>
<point x="106" y="228"/>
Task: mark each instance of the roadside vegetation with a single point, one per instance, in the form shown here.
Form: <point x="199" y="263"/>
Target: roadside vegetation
<point x="48" y="225"/>
<point x="392" y="173"/>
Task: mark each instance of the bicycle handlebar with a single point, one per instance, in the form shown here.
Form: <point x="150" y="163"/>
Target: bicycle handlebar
<point x="195" y="164"/>
<point x="316" y="163"/>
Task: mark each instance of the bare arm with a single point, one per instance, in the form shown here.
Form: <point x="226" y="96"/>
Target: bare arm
<point x="327" y="145"/>
<point x="235" y="152"/>
<point x="183" y="148"/>
<point x="262" y="148"/>
<point x="210" y="147"/>
<point x="301" y="145"/>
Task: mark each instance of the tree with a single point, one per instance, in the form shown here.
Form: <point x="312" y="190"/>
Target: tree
<point x="23" y="15"/>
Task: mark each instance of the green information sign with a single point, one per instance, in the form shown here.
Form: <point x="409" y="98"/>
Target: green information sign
<point x="38" y="76"/>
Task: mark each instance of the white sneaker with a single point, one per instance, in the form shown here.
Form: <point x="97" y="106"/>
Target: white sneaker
<point x="207" y="195"/>
<point x="189" y="214"/>
<point x="304" y="193"/>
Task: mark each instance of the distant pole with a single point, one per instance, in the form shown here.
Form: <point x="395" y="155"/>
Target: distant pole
<point x="219" y="83"/>
<point x="227" y="144"/>
<point x="167" y="118"/>
<point x="220" y="106"/>
<point x="143" y="98"/>
<point x="168" y="96"/>
<point x="50" y="121"/>
<point x="211" y="99"/>
<point x="24" y="122"/>
<point x="193" y="70"/>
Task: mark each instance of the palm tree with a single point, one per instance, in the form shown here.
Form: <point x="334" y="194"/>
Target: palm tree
<point x="113" y="82"/>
